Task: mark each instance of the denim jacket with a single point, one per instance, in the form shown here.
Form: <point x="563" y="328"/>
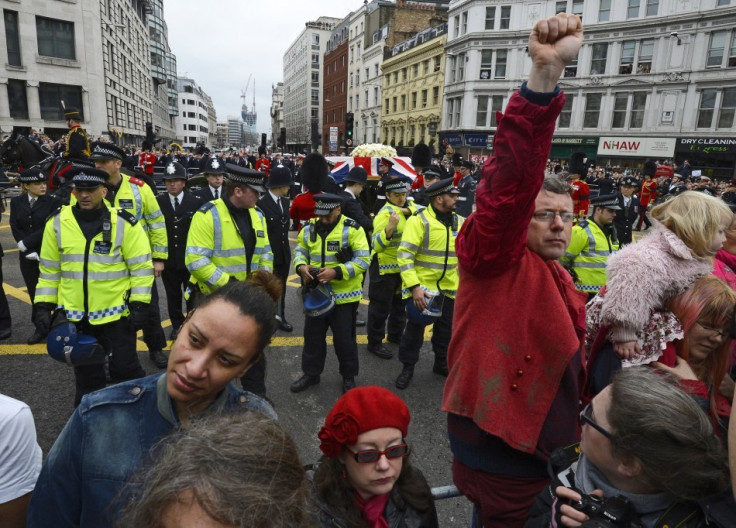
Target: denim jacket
<point x="109" y="436"/>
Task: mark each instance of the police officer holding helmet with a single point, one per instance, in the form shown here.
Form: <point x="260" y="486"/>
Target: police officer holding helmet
<point x="332" y="250"/>
<point x="96" y="265"/>
<point x="428" y="265"/>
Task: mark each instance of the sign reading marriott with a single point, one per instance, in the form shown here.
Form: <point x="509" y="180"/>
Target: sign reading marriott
<point x="637" y="147"/>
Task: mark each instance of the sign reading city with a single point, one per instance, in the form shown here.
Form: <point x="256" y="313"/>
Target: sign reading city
<point x="637" y="147"/>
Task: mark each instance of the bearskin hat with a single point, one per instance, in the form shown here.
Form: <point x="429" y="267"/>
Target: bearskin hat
<point x="576" y="165"/>
<point x="314" y="172"/>
<point x="457" y="159"/>
<point x="421" y="156"/>
<point x="649" y="168"/>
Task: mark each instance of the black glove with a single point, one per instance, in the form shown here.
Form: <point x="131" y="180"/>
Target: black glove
<point x="344" y="254"/>
<point x="41" y="316"/>
<point x="139" y="314"/>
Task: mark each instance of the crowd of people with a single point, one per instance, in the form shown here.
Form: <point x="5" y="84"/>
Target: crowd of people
<point x="569" y="399"/>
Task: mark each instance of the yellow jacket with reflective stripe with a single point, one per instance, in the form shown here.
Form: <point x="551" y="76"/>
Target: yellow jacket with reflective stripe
<point x="216" y="251"/>
<point x="427" y="254"/>
<point x="385" y="248"/>
<point x="587" y="254"/>
<point x="84" y="281"/>
<point x="345" y="233"/>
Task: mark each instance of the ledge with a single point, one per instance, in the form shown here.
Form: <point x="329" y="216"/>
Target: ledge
<point x="56" y="61"/>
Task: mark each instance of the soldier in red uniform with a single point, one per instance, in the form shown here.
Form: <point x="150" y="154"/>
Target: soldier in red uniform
<point x="580" y="190"/>
<point x="313" y="173"/>
<point x="263" y="164"/>
<point x="147" y="159"/>
<point x="648" y="193"/>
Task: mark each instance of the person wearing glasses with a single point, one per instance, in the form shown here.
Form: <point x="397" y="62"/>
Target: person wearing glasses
<point x="365" y="477"/>
<point x="646" y="441"/>
<point x="515" y="355"/>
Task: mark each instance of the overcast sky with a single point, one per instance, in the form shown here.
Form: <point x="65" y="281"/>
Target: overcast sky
<point x="219" y="43"/>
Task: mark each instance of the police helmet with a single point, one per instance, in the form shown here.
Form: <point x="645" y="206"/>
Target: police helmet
<point x="318" y="301"/>
<point x="67" y="345"/>
<point x="422" y="317"/>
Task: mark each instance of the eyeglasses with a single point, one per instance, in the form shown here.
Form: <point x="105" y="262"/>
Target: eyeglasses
<point x="373" y="455"/>
<point x="586" y="418"/>
<point x="549" y="216"/>
<point x="715" y="331"/>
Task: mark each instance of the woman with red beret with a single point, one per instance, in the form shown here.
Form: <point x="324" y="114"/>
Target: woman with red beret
<point x="365" y="478"/>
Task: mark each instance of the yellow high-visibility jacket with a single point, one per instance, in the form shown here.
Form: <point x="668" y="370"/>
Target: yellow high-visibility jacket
<point x="386" y="248"/>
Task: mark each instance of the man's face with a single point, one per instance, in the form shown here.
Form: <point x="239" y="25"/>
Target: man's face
<point x="244" y="197"/>
<point x="111" y="166"/>
<point x="382" y="168"/>
<point x="627" y="190"/>
<point x="89" y="199"/>
<point x="396" y="198"/>
<point x="605" y="216"/>
<point x="331" y="218"/>
<point x="446" y="202"/>
<point x="280" y="191"/>
<point x="430" y="181"/>
<point x="550" y="239"/>
<point x="174" y="186"/>
<point x="215" y="180"/>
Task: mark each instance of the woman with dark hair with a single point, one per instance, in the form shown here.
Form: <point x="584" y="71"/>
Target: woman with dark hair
<point x="365" y="478"/>
<point x="112" y="431"/>
<point x="240" y="470"/>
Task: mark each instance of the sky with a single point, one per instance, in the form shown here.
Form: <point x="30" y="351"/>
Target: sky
<point x="219" y="43"/>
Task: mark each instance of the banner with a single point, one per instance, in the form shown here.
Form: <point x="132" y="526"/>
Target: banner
<point x="637" y="147"/>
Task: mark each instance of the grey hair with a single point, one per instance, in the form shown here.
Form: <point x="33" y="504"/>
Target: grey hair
<point x="655" y="421"/>
<point x="555" y="185"/>
<point x="242" y="469"/>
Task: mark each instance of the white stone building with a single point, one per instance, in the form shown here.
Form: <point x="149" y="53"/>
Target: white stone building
<point x="196" y="122"/>
<point x="277" y="113"/>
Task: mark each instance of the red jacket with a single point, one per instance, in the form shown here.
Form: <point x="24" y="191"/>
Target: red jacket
<point x="302" y="208"/>
<point x="580" y="197"/>
<point x="147" y="160"/>
<point x="263" y="164"/>
<point x="648" y="192"/>
<point x="513" y="343"/>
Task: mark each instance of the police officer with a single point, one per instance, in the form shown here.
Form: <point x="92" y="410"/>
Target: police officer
<point x="137" y="198"/>
<point x="428" y="265"/>
<point x="275" y="207"/>
<point x="384" y="290"/>
<point x="178" y="206"/>
<point x="466" y="189"/>
<point x="384" y="170"/>
<point x="592" y="242"/>
<point x="629" y="213"/>
<point x="228" y="238"/>
<point x="28" y="213"/>
<point x="77" y="141"/>
<point x="430" y="176"/>
<point x="96" y="265"/>
<point x="331" y="249"/>
<point x="355" y="183"/>
<point x="213" y="170"/>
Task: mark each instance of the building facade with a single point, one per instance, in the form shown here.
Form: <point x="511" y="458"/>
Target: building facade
<point x="335" y="95"/>
<point x="303" y="84"/>
<point x="194" y="124"/>
<point x="163" y="72"/>
<point x="413" y="82"/>
<point x="235" y="132"/>
<point x="222" y="140"/>
<point x="277" y="113"/>
<point x="653" y="80"/>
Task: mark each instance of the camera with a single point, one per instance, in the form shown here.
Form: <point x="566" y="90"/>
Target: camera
<point x="607" y="513"/>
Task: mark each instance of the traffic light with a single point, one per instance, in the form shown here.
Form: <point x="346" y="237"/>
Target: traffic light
<point x="263" y="140"/>
<point x="282" y="138"/>
<point x="349" y="123"/>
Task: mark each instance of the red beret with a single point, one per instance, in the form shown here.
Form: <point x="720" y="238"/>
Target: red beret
<point x="359" y="410"/>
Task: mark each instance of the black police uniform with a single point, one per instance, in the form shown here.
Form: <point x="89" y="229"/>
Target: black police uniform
<point x="628" y="215"/>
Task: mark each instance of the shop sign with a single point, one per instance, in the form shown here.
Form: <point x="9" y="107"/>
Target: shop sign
<point x="476" y="140"/>
<point x="454" y="140"/>
<point x="707" y="145"/>
<point x="581" y="141"/>
<point x="636" y="147"/>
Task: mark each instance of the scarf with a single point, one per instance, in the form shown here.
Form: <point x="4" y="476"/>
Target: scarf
<point x="372" y="509"/>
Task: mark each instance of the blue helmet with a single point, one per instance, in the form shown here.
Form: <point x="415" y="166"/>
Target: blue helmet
<point x="423" y="317"/>
<point x="318" y="301"/>
<point x="67" y="345"/>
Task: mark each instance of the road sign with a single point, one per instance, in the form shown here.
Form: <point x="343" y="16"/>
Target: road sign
<point x="349" y="142"/>
<point x="489" y="142"/>
<point x="333" y="139"/>
<point x="432" y="129"/>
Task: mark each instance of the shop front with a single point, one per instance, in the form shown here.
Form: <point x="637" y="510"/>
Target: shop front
<point x="713" y="157"/>
<point x="564" y="146"/>
<point x="474" y="146"/>
<point x="629" y="152"/>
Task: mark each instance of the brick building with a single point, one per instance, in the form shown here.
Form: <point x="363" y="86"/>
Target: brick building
<point x="335" y="96"/>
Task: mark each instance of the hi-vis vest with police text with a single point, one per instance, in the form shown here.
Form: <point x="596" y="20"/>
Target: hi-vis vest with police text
<point x="215" y="248"/>
<point x="427" y="254"/>
<point x="94" y="278"/>
<point x="587" y="255"/>
<point x="314" y="250"/>
<point x="386" y="248"/>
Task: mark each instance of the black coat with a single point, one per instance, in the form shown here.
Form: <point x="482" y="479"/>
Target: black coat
<point x="626" y="218"/>
<point x="205" y="194"/>
<point x="27" y="223"/>
<point x="177" y="226"/>
<point x="352" y="208"/>
<point x="277" y="222"/>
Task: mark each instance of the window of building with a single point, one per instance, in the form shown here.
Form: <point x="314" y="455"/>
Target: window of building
<point x="604" y="11"/>
<point x="315" y="59"/>
<point x="638" y="105"/>
<point x="49" y="96"/>
<point x="628" y="48"/>
<point x="728" y="108"/>
<point x="415" y="71"/>
<point x="357" y="101"/>
<point x="561" y="7"/>
<point x="490" y="17"/>
<point x="486" y="64"/>
<point x="413" y="100"/>
<point x="500" y="71"/>
<point x="396" y="77"/>
<point x="652" y="7"/>
<point x="460" y="64"/>
<point x="566" y="113"/>
<point x="716" y="48"/>
<point x="496" y="106"/>
<point x="315" y="78"/>
<point x="315" y="96"/>
<point x="437" y="63"/>
<point x="571" y="70"/>
<point x="315" y="39"/>
<point x="464" y="23"/>
<point x="12" y="39"/>
<point x="457" y="26"/>
<point x="387" y="106"/>
<point x="592" y="110"/>
<point x="403" y="74"/>
<point x="425" y="94"/>
<point x="403" y="102"/>
<point x="620" y="105"/>
<point x="481" y="115"/>
<point x="633" y="10"/>
<point x="375" y="95"/>
<point x="505" y="17"/>
<point x="17" y="99"/>
<point x="732" y="51"/>
<point x="646" y="52"/>
<point x="436" y="95"/>
<point x="723" y="3"/>
<point x="394" y="103"/>
<point x="577" y="7"/>
<point x="598" y="61"/>
<point x="707" y="105"/>
<point x="55" y="38"/>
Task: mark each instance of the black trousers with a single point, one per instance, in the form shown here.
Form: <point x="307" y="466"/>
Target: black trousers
<point x="384" y="294"/>
<point x="643" y="217"/>
<point x="118" y="340"/>
<point x="153" y="334"/>
<point x="413" y="337"/>
<point x="175" y="282"/>
<point x="4" y="308"/>
<point x="342" y="323"/>
<point x="282" y="272"/>
<point x="30" y="272"/>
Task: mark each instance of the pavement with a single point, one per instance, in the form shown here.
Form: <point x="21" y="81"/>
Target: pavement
<point x="27" y="373"/>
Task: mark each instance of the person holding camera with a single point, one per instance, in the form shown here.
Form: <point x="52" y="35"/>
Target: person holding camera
<point x="332" y="254"/>
<point x="648" y="457"/>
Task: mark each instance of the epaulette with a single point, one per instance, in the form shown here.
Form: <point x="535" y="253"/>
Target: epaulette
<point x="583" y="223"/>
<point x="136" y="181"/>
<point x="54" y="213"/>
<point x="125" y="215"/>
<point x="206" y="207"/>
<point x="351" y="223"/>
